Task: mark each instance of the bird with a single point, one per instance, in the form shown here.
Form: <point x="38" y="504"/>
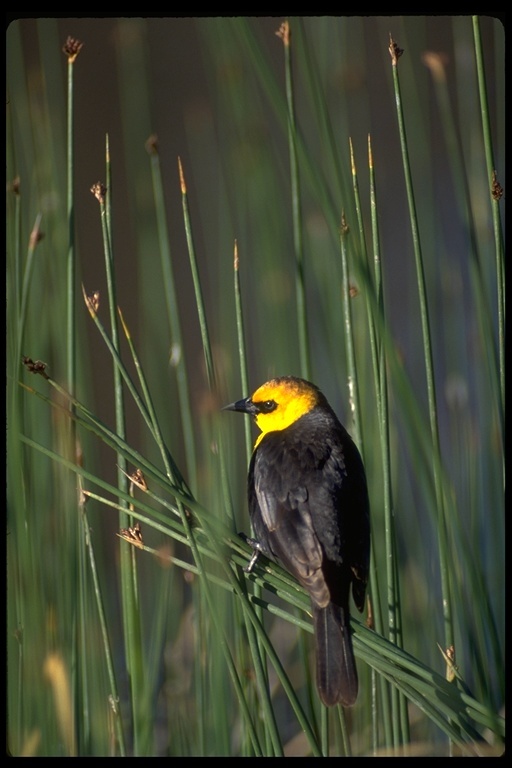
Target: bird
<point x="309" y="509"/>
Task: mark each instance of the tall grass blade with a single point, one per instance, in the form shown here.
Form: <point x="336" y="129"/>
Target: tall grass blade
<point x="177" y="356"/>
<point x="285" y="34"/>
<point x="395" y="53"/>
<point x="496" y="193"/>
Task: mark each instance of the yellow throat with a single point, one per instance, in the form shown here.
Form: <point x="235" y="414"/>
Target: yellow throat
<point x="292" y="397"/>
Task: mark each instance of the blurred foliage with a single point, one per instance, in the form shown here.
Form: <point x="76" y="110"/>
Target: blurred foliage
<point x="151" y="658"/>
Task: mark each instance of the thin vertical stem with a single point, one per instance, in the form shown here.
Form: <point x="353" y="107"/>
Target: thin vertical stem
<point x="302" y="330"/>
<point x="446" y="605"/>
<point x="372" y="309"/>
<point x="177" y="345"/>
<point x="203" y="325"/>
<point x="496" y="193"/>
<point x="71" y="49"/>
<point x="398" y="701"/>
<point x="131" y="617"/>
<point x="242" y="356"/>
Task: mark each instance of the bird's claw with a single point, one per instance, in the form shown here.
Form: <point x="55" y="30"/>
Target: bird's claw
<point x="256" y="546"/>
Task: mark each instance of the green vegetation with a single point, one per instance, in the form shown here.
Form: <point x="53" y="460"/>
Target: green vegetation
<point x="327" y="205"/>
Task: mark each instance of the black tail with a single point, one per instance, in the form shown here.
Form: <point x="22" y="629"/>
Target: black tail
<point x="336" y="675"/>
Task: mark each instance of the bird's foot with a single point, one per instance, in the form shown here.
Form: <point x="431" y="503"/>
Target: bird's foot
<point x="258" y="549"/>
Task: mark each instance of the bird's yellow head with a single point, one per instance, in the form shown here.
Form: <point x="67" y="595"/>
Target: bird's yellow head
<point x="278" y="403"/>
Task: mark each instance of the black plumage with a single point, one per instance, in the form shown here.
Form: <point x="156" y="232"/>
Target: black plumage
<point x="309" y="508"/>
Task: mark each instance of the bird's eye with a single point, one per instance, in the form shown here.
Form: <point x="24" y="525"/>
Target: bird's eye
<point x="268" y="406"/>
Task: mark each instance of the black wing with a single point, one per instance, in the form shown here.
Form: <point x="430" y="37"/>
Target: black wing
<point x="309" y="507"/>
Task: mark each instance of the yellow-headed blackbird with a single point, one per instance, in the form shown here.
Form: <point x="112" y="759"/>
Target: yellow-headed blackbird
<point x="309" y="508"/>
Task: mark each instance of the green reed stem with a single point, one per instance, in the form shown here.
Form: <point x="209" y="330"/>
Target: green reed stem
<point x="257" y="651"/>
<point x="104" y="633"/>
<point x="203" y="325"/>
<point x="150" y="416"/>
<point x="300" y="294"/>
<point x="25" y="287"/>
<point x="72" y="48"/>
<point x="242" y="354"/>
<point x="372" y="308"/>
<point x="178" y="345"/>
<point x="399" y="704"/>
<point x="131" y="615"/>
<point x="82" y="695"/>
<point x="496" y="193"/>
<point x="446" y="603"/>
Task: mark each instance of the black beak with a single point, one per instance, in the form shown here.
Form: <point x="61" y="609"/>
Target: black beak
<point x="243" y="406"/>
